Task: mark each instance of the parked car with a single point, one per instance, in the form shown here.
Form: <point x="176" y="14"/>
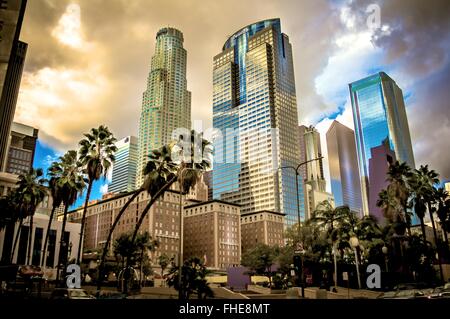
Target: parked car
<point x="440" y="292"/>
<point x="404" y="294"/>
<point x="67" y="293"/>
<point x="110" y="295"/>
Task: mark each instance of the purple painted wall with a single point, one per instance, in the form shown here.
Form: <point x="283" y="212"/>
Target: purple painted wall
<point x="378" y="168"/>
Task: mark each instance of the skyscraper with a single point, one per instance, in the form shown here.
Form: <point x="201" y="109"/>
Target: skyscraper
<point x="314" y="182"/>
<point x="255" y="109"/>
<point x="22" y="145"/>
<point x="343" y="163"/>
<point x="12" y="57"/>
<point x="166" y="103"/>
<point x="124" y="168"/>
<point x="379" y="114"/>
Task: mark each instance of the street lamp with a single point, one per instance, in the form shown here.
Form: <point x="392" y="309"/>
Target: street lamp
<point x="335" y="251"/>
<point x="296" y="170"/>
<point x="354" y="242"/>
<point x="385" y="251"/>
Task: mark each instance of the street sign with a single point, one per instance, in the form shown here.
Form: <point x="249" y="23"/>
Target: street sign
<point x="345" y="276"/>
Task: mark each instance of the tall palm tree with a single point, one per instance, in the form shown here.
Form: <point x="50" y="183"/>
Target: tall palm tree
<point x="398" y="176"/>
<point x="31" y="192"/>
<point x="430" y="178"/>
<point x="443" y="213"/>
<point x="419" y="187"/>
<point x="161" y="172"/>
<point x="70" y="183"/>
<point x="8" y="219"/>
<point x="57" y="200"/>
<point x="97" y="156"/>
<point x="158" y="171"/>
<point x="189" y="169"/>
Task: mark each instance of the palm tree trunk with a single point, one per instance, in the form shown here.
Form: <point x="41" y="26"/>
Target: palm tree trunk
<point x="47" y="234"/>
<point x="108" y="240"/>
<point x="144" y="213"/>
<point x="62" y="258"/>
<point x="83" y="221"/>
<point x="441" y="272"/>
<point x="422" y="226"/>
<point x="16" y="239"/>
<point x="30" y="239"/>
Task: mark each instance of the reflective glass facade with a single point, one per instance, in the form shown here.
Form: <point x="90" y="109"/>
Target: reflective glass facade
<point x="379" y="114"/>
<point x="255" y="109"/>
<point x="166" y="103"/>
<point x="343" y="164"/>
<point x="124" y="167"/>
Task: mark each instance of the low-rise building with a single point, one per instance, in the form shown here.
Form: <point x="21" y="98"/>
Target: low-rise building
<point x="212" y="232"/>
<point x="162" y="221"/>
<point x="40" y="223"/>
<point x="264" y="227"/>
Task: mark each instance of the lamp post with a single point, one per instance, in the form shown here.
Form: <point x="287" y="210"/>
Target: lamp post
<point x="385" y="252"/>
<point x="302" y="251"/>
<point x="335" y="266"/>
<point x="296" y="170"/>
<point x="354" y="242"/>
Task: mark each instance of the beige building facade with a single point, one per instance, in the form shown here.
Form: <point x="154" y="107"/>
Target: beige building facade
<point x="212" y="232"/>
<point x="264" y="227"/>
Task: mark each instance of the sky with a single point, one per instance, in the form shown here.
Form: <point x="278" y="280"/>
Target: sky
<point x="88" y="60"/>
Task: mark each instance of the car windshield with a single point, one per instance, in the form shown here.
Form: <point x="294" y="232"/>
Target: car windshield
<point x="78" y="293"/>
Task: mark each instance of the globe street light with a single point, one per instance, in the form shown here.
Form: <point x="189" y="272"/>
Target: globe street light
<point x="354" y="242"/>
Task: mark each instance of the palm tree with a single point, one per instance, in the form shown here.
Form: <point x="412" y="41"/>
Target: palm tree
<point x="57" y="200"/>
<point x="419" y="187"/>
<point x="398" y="176"/>
<point x="97" y="156"/>
<point x="70" y="183"/>
<point x="190" y="169"/>
<point x="8" y="219"/>
<point x="31" y="192"/>
<point x="327" y="218"/>
<point x="443" y="212"/>
<point x="158" y="171"/>
<point x="429" y="178"/>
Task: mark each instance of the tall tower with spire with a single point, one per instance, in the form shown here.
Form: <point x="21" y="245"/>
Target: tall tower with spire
<point x="166" y="103"/>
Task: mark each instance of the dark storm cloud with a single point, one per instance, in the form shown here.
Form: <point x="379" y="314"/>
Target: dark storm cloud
<point x="418" y="48"/>
<point x="120" y="35"/>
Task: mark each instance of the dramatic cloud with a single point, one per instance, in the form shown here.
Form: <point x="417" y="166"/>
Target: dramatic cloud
<point x="88" y="60"/>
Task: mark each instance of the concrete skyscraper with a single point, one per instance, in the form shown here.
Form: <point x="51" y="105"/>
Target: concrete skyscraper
<point x="124" y="168"/>
<point x="166" y="103"/>
<point x="12" y="58"/>
<point x="255" y="109"/>
<point x="379" y="114"/>
<point x="314" y="181"/>
<point x="343" y="163"/>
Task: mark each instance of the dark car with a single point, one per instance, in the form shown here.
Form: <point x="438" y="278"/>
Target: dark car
<point x="67" y="293"/>
<point x="110" y="295"/>
<point x="404" y="294"/>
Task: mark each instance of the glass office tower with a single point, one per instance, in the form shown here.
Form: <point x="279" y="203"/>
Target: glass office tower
<point x="343" y="163"/>
<point x="255" y="111"/>
<point x="379" y="114"/>
<point x="124" y="167"/>
<point x="166" y="104"/>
